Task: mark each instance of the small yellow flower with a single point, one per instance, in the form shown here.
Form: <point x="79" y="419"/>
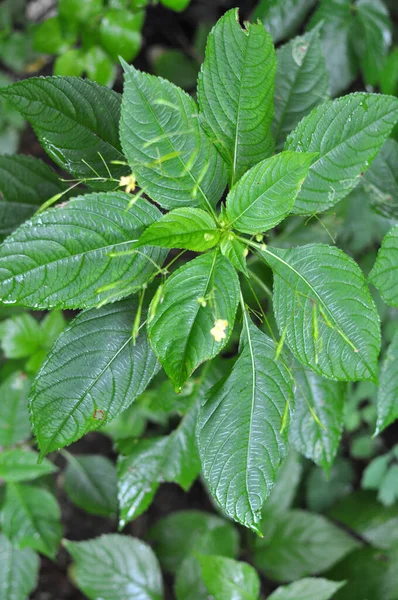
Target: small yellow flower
<point x="128" y="182"/>
<point x="218" y="331"/>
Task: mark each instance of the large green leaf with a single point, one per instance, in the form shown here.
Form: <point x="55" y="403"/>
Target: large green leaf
<point x="301" y="83"/>
<point x="61" y="258"/>
<point x="335" y="330"/>
<point x="31" y="517"/>
<point x="385" y="270"/>
<point x="18" y="571"/>
<point x="92" y="374"/>
<point x="76" y="121"/>
<point x="25" y="183"/>
<point x="282" y="17"/>
<point x="265" y="194"/>
<point x="298" y="543"/>
<point x="198" y="296"/>
<point x="387" y="394"/>
<point x="21" y="465"/>
<point x="190" y="228"/>
<point x="227" y="579"/>
<point x="235" y="92"/>
<point x="116" y="567"/>
<point x="347" y="133"/>
<point x="308" y="589"/>
<point x="14" y="415"/>
<point x="318" y="419"/>
<point x="173" y="159"/>
<point x="240" y="437"/>
<point x="381" y="180"/>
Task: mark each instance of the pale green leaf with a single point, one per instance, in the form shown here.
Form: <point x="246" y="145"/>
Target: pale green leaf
<point x="21" y="465"/>
<point x="282" y="17"/>
<point x="92" y="374"/>
<point x="20" y="336"/>
<point x="14" y="415"/>
<point x="240" y="435"/>
<point x="228" y="579"/>
<point x="173" y="159"/>
<point x="387" y="393"/>
<point x="235" y="251"/>
<point x="347" y="133"/>
<point x="265" y="195"/>
<point x="235" y="92"/>
<point x="18" y="571"/>
<point x="61" y="258"/>
<point x="189" y="228"/>
<point x="188" y="583"/>
<point x="335" y="330"/>
<point x="381" y="180"/>
<point x="308" y="589"/>
<point x="116" y="567"/>
<point x="384" y="272"/>
<point x="195" y="296"/>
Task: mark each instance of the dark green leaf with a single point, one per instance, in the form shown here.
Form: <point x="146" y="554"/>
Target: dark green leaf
<point x="383" y="274"/>
<point x="282" y="17"/>
<point x="22" y="465"/>
<point x="14" y="415"/>
<point x="235" y="251"/>
<point x="308" y="589"/>
<point x="387" y="406"/>
<point x="18" y="571"/>
<point x="175" y="66"/>
<point x="286" y="484"/>
<point x="225" y="578"/>
<point x="381" y="180"/>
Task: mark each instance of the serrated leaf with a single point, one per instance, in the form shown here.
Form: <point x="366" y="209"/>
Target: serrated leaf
<point x="282" y="17"/>
<point x="116" y="567"/>
<point x="335" y="330"/>
<point x="308" y="589"/>
<point x="173" y="159"/>
<point x="21" y="465"/>
<point x="18" y="570"/>
<point x="380" y="181"/>
<point x="235" y="92"/>
<point x="387" y="393"/>
<point x="91" y="483"/>
<point x="265" y="195"/>
<point x="195" y="296"/>
<point x="317" y="423"/>
<point x="225" y="578"/>
<point x="189" y="228"/>
<point x="239" y="429"/>
<point x="92" y="374"/>
<point x="14" y="414"/>
<point x="297" y="543"/>
<point x="25" y="183"/>
<point x="384" y="272"/>
<point x="76" y="121"/>
<point x="301" y="83"/>
<point x="61" y="258"/>
<point x="235" y="251"/>
<point x="347" y="133"/>
<point x="184" y="533"/>
<point x="31" y="517"/>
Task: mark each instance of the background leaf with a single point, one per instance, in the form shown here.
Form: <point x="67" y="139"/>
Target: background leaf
<point x="18" y="570"/>
<point x="381" y="180"/>
<point x="226" y="578"/>
<point x="21" y="465"/>
<point x="14" y="414"/>
<point x="282" y="17"/>
<point x="383" y="274"/>
<point x="308" y="589"/>
<point x="387" y="393"/>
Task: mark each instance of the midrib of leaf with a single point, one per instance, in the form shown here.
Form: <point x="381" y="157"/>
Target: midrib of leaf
<point x="319" y="434"/>
<point x="127" y="577"/>
<point x="238" y="112"/>
<point x="92" y="384"/>
<point x="31" y="516"/>
<point x="167" y="137"/>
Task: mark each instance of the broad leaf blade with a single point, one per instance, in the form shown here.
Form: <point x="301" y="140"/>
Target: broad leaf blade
<point x="384" y="272"/>
<point x="18" y="570"/>
<point x="92" y="374"/>
<point x="173" y="159"/>
<point x="265" y="195"/>
<point x="380" y="181"/>
<point x="195" y="296"/>
<point x="116" y="567"/>
<point x="336" y="328"/>
<point x="225" y="578"/>
<point x="21" y="465"/>
<point x="61" y="258"/>
<point x="347" y="133"/>
<point x="282" y="17"/>
<point x="239" y="430"/>
<point x="308" y="589"/>
<point x="235" y="92"/>
<point x="14" y="414"/>
<point x="387" y="407"/>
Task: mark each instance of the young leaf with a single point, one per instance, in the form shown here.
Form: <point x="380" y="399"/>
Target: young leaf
<point x="317" y="424"/>
<point x="265" y="194"/>
<point x="91" y="483"/>
<point x="116" y="567"/>
<point x="14" y="415"/>
<point x="31" y="518"/>
<point x="20" y="336"/>
<point x="347" y="133"/>
<point x="387" y="407"/>
<point x="25" y="183"/>
<point x="282" y="17"/>
<point x="18" y="570"/>
<point x="235" y="92"/>
<point x="199" y="296"/>
<point x="173" y="159"/>
<point x="92" y="374"/>
<point x="76" y="121"/>
<point x="189" y="228"/>
<point x="308" y="589"/>
<point x="298" y="543"/>
<point x="301" y="83"/>
<point x="21" y="465"/>
<point x="381" y="180"/>
<point x="61" y="258"/>
<point x="335" y="330"/>
<point x="240" y="438"/>
<point x="183" y="533"/>
<point x="384" y="272"/>
<point x="225" y="578"/>
<point x="235" y="251"/>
